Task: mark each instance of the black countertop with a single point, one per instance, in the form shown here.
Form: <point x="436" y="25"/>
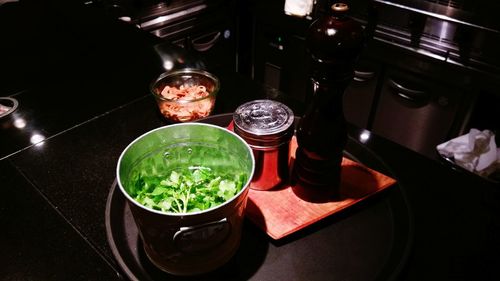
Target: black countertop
<point x="82" y="86"/>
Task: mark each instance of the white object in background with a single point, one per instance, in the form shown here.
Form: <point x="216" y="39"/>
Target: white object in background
<point x="475" y="151"/>
<point x="300" y="8"/>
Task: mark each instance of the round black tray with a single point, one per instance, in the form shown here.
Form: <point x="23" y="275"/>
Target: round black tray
<point x="368" y="241"/>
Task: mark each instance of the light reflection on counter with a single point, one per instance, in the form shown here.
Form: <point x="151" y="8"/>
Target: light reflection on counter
<point x="19" y="123"/>
<point x="37" y="139"/>
<point x="168" y="65"/>
<point x="364" y="136"/>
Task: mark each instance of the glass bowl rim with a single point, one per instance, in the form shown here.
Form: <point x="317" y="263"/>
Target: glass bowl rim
<point x="200" y="72"/>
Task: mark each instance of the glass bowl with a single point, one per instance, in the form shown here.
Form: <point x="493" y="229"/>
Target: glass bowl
<point x="185" y="95"/>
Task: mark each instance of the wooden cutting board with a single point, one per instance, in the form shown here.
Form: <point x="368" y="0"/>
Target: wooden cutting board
<point x="285" y="210"/>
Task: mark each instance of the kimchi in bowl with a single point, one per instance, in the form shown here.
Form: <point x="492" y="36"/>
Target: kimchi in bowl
<point x="185" y="95"/>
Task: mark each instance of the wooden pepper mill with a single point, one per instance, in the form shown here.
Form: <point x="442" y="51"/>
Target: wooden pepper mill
<point x="333" y="44"/>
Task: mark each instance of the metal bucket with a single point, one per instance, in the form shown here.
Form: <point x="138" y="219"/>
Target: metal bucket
<point x="194" y="242"/>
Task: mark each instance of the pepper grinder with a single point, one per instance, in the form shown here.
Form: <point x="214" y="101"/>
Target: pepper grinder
<point x="333" y="44"/>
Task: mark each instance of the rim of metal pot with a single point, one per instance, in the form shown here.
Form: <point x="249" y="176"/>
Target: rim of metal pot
<point x="130" y="199"/>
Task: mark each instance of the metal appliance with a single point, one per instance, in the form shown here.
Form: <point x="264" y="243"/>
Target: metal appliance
<point x="422" y="77"/>
<point x="443" y="62"/>
<point x="201" y="27"/>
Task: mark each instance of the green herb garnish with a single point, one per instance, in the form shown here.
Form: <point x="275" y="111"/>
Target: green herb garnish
<point x="186" y="190"/>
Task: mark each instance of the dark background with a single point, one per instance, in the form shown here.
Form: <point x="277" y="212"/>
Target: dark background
<point x="452" y="60"/>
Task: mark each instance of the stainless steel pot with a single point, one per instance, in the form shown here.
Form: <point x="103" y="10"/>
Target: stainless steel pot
<point x="197" y="242"/>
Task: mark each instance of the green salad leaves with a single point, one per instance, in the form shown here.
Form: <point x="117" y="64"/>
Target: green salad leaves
<point x="187" y="190"/>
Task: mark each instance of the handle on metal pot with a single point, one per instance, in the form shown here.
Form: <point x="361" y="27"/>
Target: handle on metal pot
<point x="202" y="237"/>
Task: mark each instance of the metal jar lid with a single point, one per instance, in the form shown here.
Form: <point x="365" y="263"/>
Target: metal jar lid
<point x="264" y="123"/>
